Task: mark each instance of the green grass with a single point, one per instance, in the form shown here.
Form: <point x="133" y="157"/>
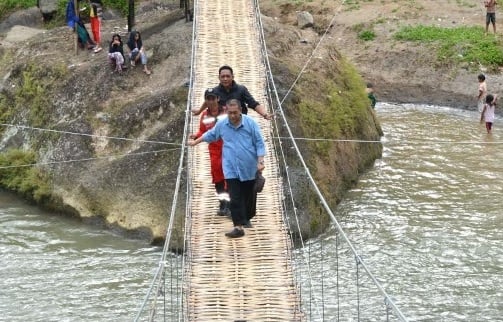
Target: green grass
<point x="32" y="93"/>
<point x="28" y="181"/>
<point x="454" y="45"/>
<point x="367" y="35"/>
<point x="340" y="114"/>
<point x="7" y="6"/>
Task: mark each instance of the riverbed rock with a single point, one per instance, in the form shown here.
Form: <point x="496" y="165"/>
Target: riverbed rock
<point x="27" y="18"/>
<point x="304" y="20"/>
<point x="48" y="8"/>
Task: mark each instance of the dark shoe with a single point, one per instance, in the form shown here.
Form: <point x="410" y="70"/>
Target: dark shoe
<point x="235" y="233"/>
<point x="227" y="213"/>
<point x="224" y="209"/>
<point x="221" y="209"/>
<point x="248" y="224"/>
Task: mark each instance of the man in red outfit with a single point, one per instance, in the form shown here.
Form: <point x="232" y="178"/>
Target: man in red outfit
<point x="209" y="118"/>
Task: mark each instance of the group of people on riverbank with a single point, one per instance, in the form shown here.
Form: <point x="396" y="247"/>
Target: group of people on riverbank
<point x="237" y="148"/>
<point x="137" y="53"/>
<point x="136" y="56"/>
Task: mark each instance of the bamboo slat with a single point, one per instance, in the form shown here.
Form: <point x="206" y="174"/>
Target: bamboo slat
<point x="249" y="278"/>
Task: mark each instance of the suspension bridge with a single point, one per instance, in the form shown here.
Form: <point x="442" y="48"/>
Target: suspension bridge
<point x="259" y="277"/>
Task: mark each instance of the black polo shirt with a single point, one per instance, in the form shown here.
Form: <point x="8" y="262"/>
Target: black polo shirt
<point x="238" y="92"/>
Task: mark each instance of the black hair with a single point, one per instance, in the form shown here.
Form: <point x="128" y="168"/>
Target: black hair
<point x="489" y="99"/>
<point x="225" y="67"/>
<point x="236" y="102"/>
<point x="369" y="85"/>
<point x="481" y="77"/>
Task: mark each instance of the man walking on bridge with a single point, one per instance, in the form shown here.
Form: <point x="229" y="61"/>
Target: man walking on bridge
<point x="228" y="89"/>
<point x="242" y="156"/>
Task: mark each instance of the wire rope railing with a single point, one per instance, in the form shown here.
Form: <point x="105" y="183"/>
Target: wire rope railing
<point x="173" y="289"/>
<point x="325" y="287"/>
<point x="389" y="305"/>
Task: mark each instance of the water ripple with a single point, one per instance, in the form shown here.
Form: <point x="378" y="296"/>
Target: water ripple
<point x="428" y="216"/>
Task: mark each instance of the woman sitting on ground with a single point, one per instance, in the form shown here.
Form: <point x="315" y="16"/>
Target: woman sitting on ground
<point x="116" y="53"/>
<point x="137" y="53"/>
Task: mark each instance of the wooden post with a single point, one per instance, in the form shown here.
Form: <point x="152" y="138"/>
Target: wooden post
<point x="76" y="8"/>
<point x="130" y="16"/>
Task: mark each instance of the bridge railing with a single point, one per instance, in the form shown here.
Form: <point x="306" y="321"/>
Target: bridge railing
<point x="344" y="288"/>
<point x="334" y="281"/>
<point x="164" y="299"/>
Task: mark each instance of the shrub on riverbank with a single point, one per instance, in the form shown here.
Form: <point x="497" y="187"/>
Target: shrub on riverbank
<point x="18" y="176"/>
<point x="455" y="45"/>
<point x="332" y="111"/>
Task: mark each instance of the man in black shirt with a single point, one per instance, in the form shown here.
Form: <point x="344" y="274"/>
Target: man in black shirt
<point x="228" y="89"/>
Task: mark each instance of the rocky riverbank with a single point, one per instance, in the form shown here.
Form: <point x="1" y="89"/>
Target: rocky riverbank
<point x="45" y="84"/>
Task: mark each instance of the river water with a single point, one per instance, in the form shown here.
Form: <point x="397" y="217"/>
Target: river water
<point x="57" y="269"/>
<point x="427" y="219"/>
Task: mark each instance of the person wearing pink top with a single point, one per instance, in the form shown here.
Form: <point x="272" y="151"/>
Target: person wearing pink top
<point x="488" y="112"/>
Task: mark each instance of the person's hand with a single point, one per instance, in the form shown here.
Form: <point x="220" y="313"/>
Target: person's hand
<point x="268" y="116"/>
<point x="191" y="142"/>
<point x="260" y="166"/>
<point x="193" y="136"/>
<point x="195" y="111"/>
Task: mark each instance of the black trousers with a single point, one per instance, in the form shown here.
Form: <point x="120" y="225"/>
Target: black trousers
<point x="243" y="200"/>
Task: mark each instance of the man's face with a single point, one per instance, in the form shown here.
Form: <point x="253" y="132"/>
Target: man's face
<point x="225" y="78"/>
<point x="234" y="114"/>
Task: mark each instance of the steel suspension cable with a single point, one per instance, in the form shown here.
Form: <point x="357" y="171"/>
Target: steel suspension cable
<point x="85" y="159"/>
<point x="157" y="280"/>
<point x="275" y="93"/>
<point x="318" y="192"/>
<point x="86" y="134"/>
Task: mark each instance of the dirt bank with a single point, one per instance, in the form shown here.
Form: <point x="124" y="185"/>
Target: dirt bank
<point x="401" y="72"/>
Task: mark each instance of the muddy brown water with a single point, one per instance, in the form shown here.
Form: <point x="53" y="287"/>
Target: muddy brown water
<point x="427" y="219"/>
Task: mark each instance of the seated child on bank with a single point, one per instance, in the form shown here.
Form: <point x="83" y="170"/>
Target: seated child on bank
<point x="116" y="53"/>
<point x="137" y="53"/>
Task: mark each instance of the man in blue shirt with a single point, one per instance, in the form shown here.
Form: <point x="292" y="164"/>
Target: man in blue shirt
<point x="242" y="155"/>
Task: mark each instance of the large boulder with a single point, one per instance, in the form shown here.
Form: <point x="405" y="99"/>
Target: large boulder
<point x="28" y="17"/>
<point x="19" y="34"/>
<point x="47" y="8"/>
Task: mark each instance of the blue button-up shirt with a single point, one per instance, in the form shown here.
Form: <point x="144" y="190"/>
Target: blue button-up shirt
<point x="243" y="144"/>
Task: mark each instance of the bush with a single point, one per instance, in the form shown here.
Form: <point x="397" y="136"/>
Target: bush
<point x="17" y="174"/>
<point x="367" y="35"/>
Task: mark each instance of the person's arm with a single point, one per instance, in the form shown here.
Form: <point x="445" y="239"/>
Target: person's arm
<point x="195" y="142"/>
<point x="259" y="146"/>
<point x="197" y="111"/>
<point x="253" y="104"/>
<point x="262" y="111"/>
<point x="210" y="136"/>
<point x="202" y="129"/>
<point x="482" y="114"/>
<point x="260" y="163"/>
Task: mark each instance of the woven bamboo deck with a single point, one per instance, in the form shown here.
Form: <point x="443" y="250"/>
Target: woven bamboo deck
<point x="249" y="278"/>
